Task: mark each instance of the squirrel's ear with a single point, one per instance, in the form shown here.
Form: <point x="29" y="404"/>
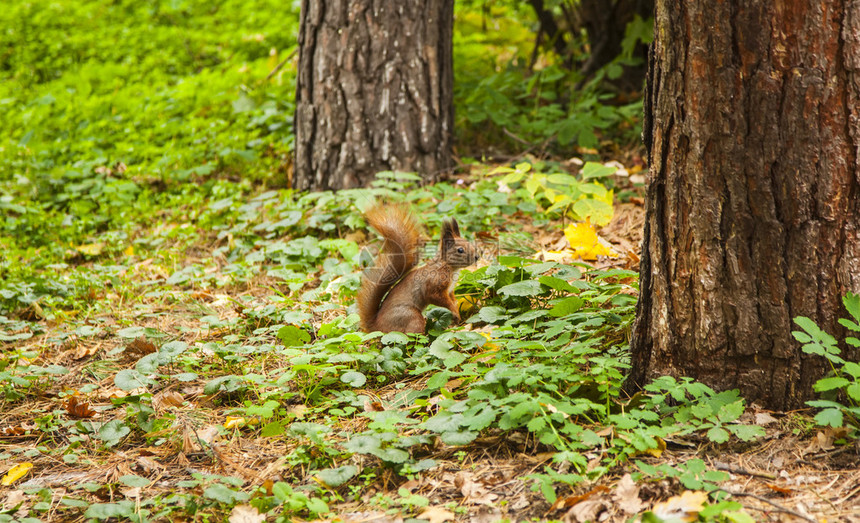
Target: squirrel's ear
<point x="448" y="230"/>
<point x="455" y="227"/>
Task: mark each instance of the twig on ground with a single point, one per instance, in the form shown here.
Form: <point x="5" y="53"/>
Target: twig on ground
<point x="738" y="470"/>
<point x="776" y="506"/>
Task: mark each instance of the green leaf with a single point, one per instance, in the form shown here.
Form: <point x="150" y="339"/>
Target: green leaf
<point x="853" y="391"/>
<point x="812" y="329"/>
<point x="282" y="491"/>
<point x="113" y="431"/>
<point x="363" y="444"/>
<point x="718" y="435"/>
<point x="730" y="412"/>
<point x="72" y="502"/>
<point x="272" y="429"/>
<point x="595" y="170"/>
<point x="131" y="332"/>
<point x="391" y="455"/>
<point x="829" y="418"/>
<point x="480" y="420"/>
<point x="173" y="349"/>
<point x="852" y="369"/>
<point x="852" y="305"/>
<point x="317" y="506"/>
<point x="557" y="284"/>
<point x="566" y="306"/>
<point x="265" y="411"/>
<point x="224" y="494"/>
<point x="394" y="337"/>
<point x="598" y="212"/>
<point x="831" y="383"/>
<point x="746" y="432"/>
<point x="354" y="378"/>
<point x="134" y="481"/>
<point x="536" y="424"/>
<point x="130" y="379"/>
<point x="443" y="422"/>
<point x="492" y="314"/>
<point x="702" y="410"/>
<point x="292" y="336"/>
<point x="123" y="509"/>
<point x="339" y="476"/>
<point x="521" y="288"/>
<point x="458" y="438"/>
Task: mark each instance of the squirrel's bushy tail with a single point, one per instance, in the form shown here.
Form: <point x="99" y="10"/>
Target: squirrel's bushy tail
<point x="398" y="255"/>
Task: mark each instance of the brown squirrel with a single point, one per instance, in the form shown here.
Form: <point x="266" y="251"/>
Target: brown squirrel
<point x="411" y="290"/>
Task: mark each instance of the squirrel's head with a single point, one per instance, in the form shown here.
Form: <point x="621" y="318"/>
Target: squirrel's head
<point x="456" y="250"/>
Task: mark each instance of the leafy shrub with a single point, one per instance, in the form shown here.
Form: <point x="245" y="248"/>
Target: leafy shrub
<point x="844" y="381"/>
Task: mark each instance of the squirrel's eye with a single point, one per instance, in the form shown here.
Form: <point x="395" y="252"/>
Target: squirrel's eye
<point x="461" y="250"/>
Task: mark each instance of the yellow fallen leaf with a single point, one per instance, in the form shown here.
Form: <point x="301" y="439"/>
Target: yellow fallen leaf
<point x="91" y="249"/>
<point x="657" y="452"/>
<point x="488" y="344"/>
<point x="234" y="422"/>
<point x="129" y="251"/>
<point x="15" y="473"/>
<point x="685" y="507"/>
<point x="585" y="242"/>
<point x="466" y="303"/>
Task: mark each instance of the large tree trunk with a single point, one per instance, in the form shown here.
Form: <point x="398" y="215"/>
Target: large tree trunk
<point x="374" y="90"/>
<point x="753" y="208"/>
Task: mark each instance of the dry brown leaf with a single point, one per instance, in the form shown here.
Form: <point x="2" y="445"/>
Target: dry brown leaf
<point x="626" y="496"/>
<point x="782" y="490"/>
<point x="246" y="514"/>
<point x="148" y="464"/>
<point x="78" y="409"/>
<point x="208" y="434"/>
<point x="84" y="351"/>
<point x="168" y="398"/>
<point x="474" y="492"/>
<point x="373" y="406"/>
<point x="13" y="499"/>
<point x="824" y="439"/>
<point x="140" y="347"/>
<point x="763" y="418"/>
<point x="17" y="430"/>
<point x="436" y="515"/>
<point x="586" y="510"/>
<point x="571" y="501"/>
<point x="131" y="492"/>
<point x="487" y="515"/>
<point x="685" y="507"/>
<point x="454" y="384"/>
<point x="298" y="411"/>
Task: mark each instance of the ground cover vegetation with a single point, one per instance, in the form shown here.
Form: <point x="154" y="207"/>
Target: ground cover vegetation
<point x="178" y="338"/>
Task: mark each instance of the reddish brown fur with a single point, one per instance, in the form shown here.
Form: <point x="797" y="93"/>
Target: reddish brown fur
<point x="401" y="310"/>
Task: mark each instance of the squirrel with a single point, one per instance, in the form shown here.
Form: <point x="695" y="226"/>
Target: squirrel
<point x="409" y="290"/>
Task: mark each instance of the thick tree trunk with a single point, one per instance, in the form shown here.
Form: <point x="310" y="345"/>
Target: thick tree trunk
<point x="753" y="208"/>
<point x="374" y="90"/>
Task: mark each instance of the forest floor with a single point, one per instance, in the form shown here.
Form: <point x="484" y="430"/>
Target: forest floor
<point x="181" y="382"/>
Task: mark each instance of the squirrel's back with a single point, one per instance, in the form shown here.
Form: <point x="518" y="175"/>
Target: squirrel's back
<point x="399" y="254"/>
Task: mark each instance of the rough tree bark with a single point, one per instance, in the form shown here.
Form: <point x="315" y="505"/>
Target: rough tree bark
<point x="753" y="207"/>
<point x="374" y="90"/>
